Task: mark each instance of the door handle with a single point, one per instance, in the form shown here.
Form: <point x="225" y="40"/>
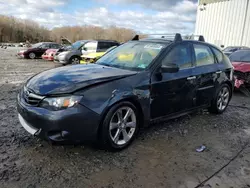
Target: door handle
<point x="191" y="78"/>
<point x="218" y="72"/>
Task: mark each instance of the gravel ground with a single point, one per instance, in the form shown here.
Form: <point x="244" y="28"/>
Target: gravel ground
<point x="162" y="156"/>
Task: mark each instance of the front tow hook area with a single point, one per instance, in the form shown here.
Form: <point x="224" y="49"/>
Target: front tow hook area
<point x="58" y="136"/>
<point x="37" y="133"/>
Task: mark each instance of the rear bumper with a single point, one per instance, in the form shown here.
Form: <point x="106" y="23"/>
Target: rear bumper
<point x="77" y="124"/>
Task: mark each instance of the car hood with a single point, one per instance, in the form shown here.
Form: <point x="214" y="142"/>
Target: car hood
<point x="65" y="80"/>
<point x="241" y="66"/>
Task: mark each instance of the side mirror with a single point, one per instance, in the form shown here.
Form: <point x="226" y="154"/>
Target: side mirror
<point x="170" y="68"/>
<point x="222" y="46"/>
<point x="84" y="48"/>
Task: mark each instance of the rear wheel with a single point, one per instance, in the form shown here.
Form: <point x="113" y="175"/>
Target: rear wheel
<point x="221" y="100"/>
<point x="32" y="55"/>
<point x="120" y="126"/>
<point x="75" y="60"/>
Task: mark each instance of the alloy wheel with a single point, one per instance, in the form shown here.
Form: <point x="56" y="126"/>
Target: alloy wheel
<point x="122" y="125"/>
<point x="75" y="61"/>
<point x="223" y="98"/>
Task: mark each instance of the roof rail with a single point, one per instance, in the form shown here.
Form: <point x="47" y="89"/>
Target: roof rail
<point x="173" y="37"/>
<point x="136" y="37"/>
<point x="200" y="37"/>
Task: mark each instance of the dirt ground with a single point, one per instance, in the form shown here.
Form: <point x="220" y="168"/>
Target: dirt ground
<point x="164" y="155"/>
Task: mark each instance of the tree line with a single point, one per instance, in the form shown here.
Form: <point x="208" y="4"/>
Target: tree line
<point x="22" y="30"/>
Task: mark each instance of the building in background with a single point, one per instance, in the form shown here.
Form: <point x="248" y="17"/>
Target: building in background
<point x="224" y="22"/>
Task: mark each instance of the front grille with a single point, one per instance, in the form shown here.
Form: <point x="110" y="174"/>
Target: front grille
<point x="31" y="98"/>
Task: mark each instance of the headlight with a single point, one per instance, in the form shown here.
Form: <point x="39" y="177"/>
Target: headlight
<point x="63" y="53"/>
<point x="51" y="54"/>
<point x="60" y="103"/>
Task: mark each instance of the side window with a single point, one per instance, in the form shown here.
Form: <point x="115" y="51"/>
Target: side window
<point x="90" y="46"/>
<point x="103" y="45"/>
<point x="45" y="46"/>
<point x="55" y="46"/>
<point x="218" y="55"/>
<point x="204" y="55"/>
<point x="179" y="55"/>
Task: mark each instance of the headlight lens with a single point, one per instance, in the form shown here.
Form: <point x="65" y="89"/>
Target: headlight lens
<point x="60" y="103"/>
<point x="63" y="53"/>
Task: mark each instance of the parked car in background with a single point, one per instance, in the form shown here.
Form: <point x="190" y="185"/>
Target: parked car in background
<point x="93" y="57"/>
<point x="49" y="54"/>
<point x="109" y="101"/>
<point x="38" y="49"/>
<point x="231" y="49"/>
<point x="72" y="54"/>
<point x="241" y="62"/>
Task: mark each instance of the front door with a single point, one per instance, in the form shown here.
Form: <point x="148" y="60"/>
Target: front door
<point x="174" y="92"/>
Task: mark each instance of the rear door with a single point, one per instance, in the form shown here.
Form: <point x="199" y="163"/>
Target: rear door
<point x="174" y="92"/>
<point x="206" y="72"/>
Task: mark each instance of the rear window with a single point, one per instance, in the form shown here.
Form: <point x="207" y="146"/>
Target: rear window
<point x="240" y="56"/>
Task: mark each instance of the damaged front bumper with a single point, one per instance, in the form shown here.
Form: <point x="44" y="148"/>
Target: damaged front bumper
<point x="242" y="79"/>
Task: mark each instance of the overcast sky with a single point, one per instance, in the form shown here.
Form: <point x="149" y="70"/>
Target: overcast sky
<point x="145" y="16"/>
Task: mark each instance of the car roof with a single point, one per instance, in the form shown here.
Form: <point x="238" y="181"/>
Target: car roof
<point x="243" y="50"/>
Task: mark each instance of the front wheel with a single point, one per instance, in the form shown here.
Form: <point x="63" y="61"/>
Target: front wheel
<point x="221" y="100"/>
<point x="120" y="126"/>
<point x="75" y="60"/>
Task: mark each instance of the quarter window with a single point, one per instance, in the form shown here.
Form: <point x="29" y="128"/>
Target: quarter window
<point x="218" y="55"/>
<point x="179" y="55"/>
<point x="204" y="55"/>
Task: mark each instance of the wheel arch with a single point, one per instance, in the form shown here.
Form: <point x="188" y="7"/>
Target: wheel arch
<point x="133" y="101"/>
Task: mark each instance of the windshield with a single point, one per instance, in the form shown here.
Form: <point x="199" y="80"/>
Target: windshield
<point x="36" y="45"/>
<point x="132" y="55"/>
<point x="240" y="56"/>
<point x="76" y="45"/>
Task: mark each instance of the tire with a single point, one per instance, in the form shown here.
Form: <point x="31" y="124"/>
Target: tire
<point x="108" y="136"/>
<point x="221" y="100"/>
<point x="75" y="60"/>
<point x="32" y="55"/>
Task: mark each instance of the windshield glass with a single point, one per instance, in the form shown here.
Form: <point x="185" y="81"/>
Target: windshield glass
<point x="240" y="56"/>
<point x="132" y="55"/>
<point x="76" y="45"/>
<point x="36" y="45"/>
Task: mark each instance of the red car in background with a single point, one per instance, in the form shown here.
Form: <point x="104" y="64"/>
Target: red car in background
<point x="49" y="54"/>
<point x="241" y="62"/>
<point x="37" y="50"/>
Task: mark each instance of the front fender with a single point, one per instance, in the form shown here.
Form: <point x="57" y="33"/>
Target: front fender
<point x="100" y="98"/>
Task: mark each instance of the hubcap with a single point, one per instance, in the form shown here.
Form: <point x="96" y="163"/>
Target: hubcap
<point x="122" y="125"/>
<point x="32" y="55"/>
<point x="223" y="98"/>
<point x="75" y="61"/>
